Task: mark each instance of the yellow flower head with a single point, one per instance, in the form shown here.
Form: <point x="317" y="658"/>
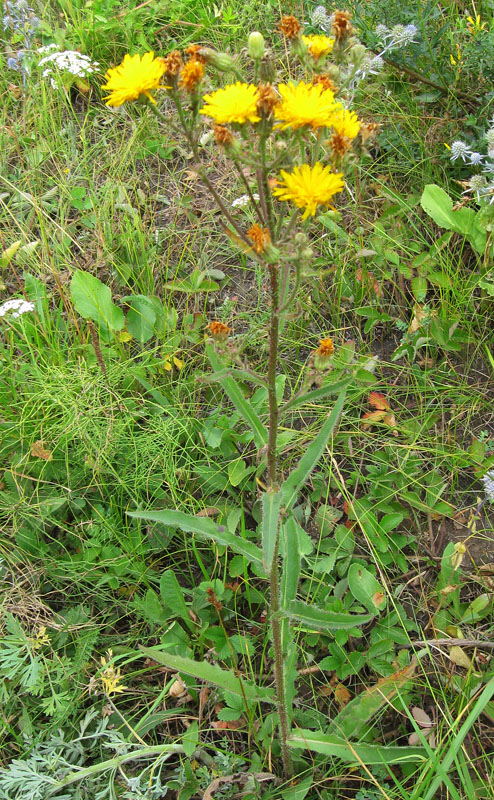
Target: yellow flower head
<point x="345" y="122"/>
<point x="318" y="45"/>
<point x="111" y="678"/>
<point x="134" y="77"/>
<point x="305" y="104"/>
<point x="234" y="103"/>
<point x="308" y="187"/>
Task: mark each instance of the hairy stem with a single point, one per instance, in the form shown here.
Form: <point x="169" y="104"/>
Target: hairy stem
<point x="279" y="673"/>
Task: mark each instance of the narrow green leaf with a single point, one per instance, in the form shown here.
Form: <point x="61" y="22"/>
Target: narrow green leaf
<point x="351" y="752"/>
<point x="316" y="394"/>
<point x="211" y="673"/>
<point x="204" y="528"/>
<point x="270" y="524"/>
<point x="173" y="598"/>
<point x="324" y="619"/>
<point x="292" y="485"/>
<point x="290" y="577"/>
<point x="233" y="391"/>
<point x="355" y="715"/>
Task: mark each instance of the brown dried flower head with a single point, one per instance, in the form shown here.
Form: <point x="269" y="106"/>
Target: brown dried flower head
<point x="290" y="27"/>
<point x="326" y="82"/>
<point x="191" y="75"/>
<point x="339" y="144"/>
<point x="368" y="130"/>
<point x="268" y="99"/>
<point x="222" y="135"/>
<point x="219" y="330"/>
<point x="341" y="25"/>
<point x="259" y="237"/>
<point x="173" y="64"/>
<point x="193" y="51"/>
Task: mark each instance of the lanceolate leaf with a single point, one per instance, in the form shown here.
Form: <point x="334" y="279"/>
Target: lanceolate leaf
<point x="322" y="619"/>
<point x="358" y="711"/>
<point x="204" y="528"/>
<point x="293" y="484"/>
<point x="330" y="745"/>
<point x="232" y="389"/>
<point x="316" y="394"/>
<point x="270" y="523"/>
<point x="211" y="673"/>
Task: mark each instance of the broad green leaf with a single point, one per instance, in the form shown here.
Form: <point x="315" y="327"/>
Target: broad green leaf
<point x="439" y="205"/>
<point x="366" y="589"/>
<point x="92" y="300"/>
<point x="291" y="487"/>
<point x="8" y="254"/>
<point x="204" y="528"/>
<point x="233" y="391"/>
<point x="419" y="287"/>
<point x="324" y="619"/>
<point x="141" y="317"/>
<point x="211" y="673"/>
<point x="351" y="752"/>
<point x="354" y="716"/>
<point x="270" y="525"/>
<point x="173" y="598"/>
<point x="190" y="739"/>
<point x="237" y="470"/>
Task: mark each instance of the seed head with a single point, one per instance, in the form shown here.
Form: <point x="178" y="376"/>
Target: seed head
<point x="340" y="25"/>
<point x="191" y="75"/>
<point x="268" y="99"/>
<point x="290" y="27"/>
<point x="219" y="331"/>
<point x="222" y="135"/>
<point x="173" y="64"/>
<point x="259" y="237"/>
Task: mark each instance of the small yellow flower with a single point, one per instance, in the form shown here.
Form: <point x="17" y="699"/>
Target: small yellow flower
<point x="235" y="103"/>
<point x="318" y="45"/>
<point x="475" y="25"/>
<point x="308" y="187"/>
<point x="40" y="639"/>
<point x="345" y="122"/>
<point x="134" y="77"/>
<point x="111" y="677"/>
<point x="168" y="365"/>
<point x="305" y="104"/>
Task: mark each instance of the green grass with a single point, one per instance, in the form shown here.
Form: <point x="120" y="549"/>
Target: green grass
<point x="86" y="187"/>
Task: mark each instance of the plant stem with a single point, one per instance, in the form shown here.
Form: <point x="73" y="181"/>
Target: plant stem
<point x="279" y="673"/>
<point x="274" y="333"/>
<point x="272" y="481"/>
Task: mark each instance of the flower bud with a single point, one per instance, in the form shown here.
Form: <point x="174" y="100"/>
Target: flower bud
<point x="267" y="71"/>
<point x="357" y="54"/>
<point x="255" y="45"/>
<point x="221" y="61"/>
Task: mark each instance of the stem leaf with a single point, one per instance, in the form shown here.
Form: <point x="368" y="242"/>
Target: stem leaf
<point x="206" y="529"/>
<point x="233" y="391"/>
<point x="292" y="485"/>
<point x="212" y="673"/>
<point x="330" y="745"/>
<point x="270" y="523"/>
<point x="324" y="619"/>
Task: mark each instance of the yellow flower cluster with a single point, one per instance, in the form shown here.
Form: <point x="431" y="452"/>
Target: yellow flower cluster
<point x="300" y="105"/>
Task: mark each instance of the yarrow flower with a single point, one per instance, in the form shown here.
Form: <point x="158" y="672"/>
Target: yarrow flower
<point x="69" y="61"/>
<point x="244" y="200"/>
<point x="459" y="150"/>
<point x="305" y="104"/>
<point x="318" y="45"/>
<point x="309" y="187"/>
<point x="17" y="306"/>
<point x="488" y="481"/>
<point x="133" y="78"/>
<point x="234" y="103"/>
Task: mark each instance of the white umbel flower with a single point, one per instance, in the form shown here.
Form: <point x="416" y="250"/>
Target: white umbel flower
<point x="459" y="150"/>
<point x="70" y="62"/>
<point x="244" y="200"/>
<point x="17" y="306"/>
<point x="488" y="481"/>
